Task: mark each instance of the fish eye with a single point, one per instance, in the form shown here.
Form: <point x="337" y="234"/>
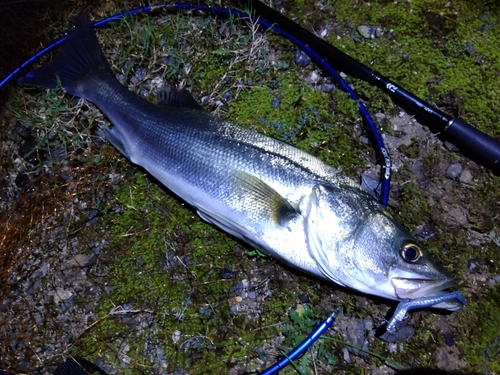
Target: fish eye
<point x="410" y="252"/>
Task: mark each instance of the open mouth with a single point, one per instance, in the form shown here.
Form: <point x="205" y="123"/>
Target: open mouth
<point x="413" y="288"/>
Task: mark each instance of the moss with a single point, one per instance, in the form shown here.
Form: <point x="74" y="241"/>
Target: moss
<point x="414" y="206"/>
<point x="412" y="150"/>
<point x="479" y="341"/>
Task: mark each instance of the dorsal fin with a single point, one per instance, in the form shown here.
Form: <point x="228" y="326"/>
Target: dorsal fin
<point x="173" y="97"/>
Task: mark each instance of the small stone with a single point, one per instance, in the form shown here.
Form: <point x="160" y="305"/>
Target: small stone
<point x="176" y="336"/>
<point x="449" y="340"/>
<point x="371" y="185"/>
<point x="328" y="87"/>
<point x="465" y="177"/>
<point x="241" y="287"/>
<point x="140" y="73"/>
<point x="443" y="359"/>
<point x="367" y="32"/>
<point x="364" y="139"/>
<point x="494" y="281"/>
<point x="472" y="264"/>
<point x="379" y="116"/>
<point x="223" y="31"/>
<point x="393" y="348"/>
<point x="275" y="102"/>
<point x="404" y="331"/>
<point x="304" y="298"/>
<point x="345" y="355"/>
<point x="418" y="170"/>
<point x="168" y="60"/>
<point x="451" y="147"/>
<point x="453" y="171"/>
<point x="228" y="96"/>
<point x="120" y="78"/>
<point x="314" y="77"/>
<point x="302" y="59"/>
<point x="426" y="231"/>
<point x="82" y="260"/>
<point x="226" y="273"/>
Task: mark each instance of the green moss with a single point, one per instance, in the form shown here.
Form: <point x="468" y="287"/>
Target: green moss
<point x="478" y="325"/>
<point x="414" y="206"/>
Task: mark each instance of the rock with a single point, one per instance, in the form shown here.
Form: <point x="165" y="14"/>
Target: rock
<point x="494" y="281"/>
<point x="364" y="139"/>
<point x="453" y="171"/>
<point x="426" y="231"/>
<point x="345" y="355"/>
<point x="403" y="331"/>
<point x="304" y="298"/>
<point x="451" y="147"/>
<point x="226" y="273"/>
<point x="140" y="73"/>
<point x="472" y="264"/>
<point x="228" y="96"/>
<point x="371" y="185"/>
<point x="302" y="59"/>
<point x="465" y="177"/>
<point x="369" y="32"/>
<point x="328" y="87"/>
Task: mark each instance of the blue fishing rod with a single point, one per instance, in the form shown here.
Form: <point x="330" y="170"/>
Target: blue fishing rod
<point x="325" y="65"/>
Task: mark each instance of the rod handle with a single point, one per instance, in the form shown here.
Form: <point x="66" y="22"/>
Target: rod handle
<point x="479" y="146"/>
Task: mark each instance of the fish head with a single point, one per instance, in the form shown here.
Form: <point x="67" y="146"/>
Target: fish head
<point x="356" y="243"/>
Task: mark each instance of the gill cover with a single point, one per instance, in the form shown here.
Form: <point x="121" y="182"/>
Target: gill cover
<point x="330" y="223"/>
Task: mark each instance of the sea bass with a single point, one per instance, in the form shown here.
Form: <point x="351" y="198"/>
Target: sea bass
<point x="262" y="191"/>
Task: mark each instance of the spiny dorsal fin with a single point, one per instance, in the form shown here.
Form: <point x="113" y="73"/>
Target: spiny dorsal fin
<point x="263" y="200"/>
<point x="173" y="97"/>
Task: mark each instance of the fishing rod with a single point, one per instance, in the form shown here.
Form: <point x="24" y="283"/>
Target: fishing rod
<point x="475" y="144"/>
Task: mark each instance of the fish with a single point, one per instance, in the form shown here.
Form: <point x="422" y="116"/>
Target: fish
<point x="264" y="192"/>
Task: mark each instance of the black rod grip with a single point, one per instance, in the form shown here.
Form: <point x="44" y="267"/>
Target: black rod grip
<point x="477" y="145"/>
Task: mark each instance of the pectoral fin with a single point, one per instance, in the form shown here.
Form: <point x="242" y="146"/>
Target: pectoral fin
<point x="261" y="201"/>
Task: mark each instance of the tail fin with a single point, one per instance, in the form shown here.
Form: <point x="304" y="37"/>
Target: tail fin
<point x="79" y="58"/>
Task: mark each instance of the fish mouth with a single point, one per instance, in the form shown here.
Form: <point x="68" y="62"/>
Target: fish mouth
<point x="413" y="286"/>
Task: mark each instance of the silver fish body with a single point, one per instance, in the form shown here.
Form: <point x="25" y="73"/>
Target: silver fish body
<point x="265" y="192"/>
